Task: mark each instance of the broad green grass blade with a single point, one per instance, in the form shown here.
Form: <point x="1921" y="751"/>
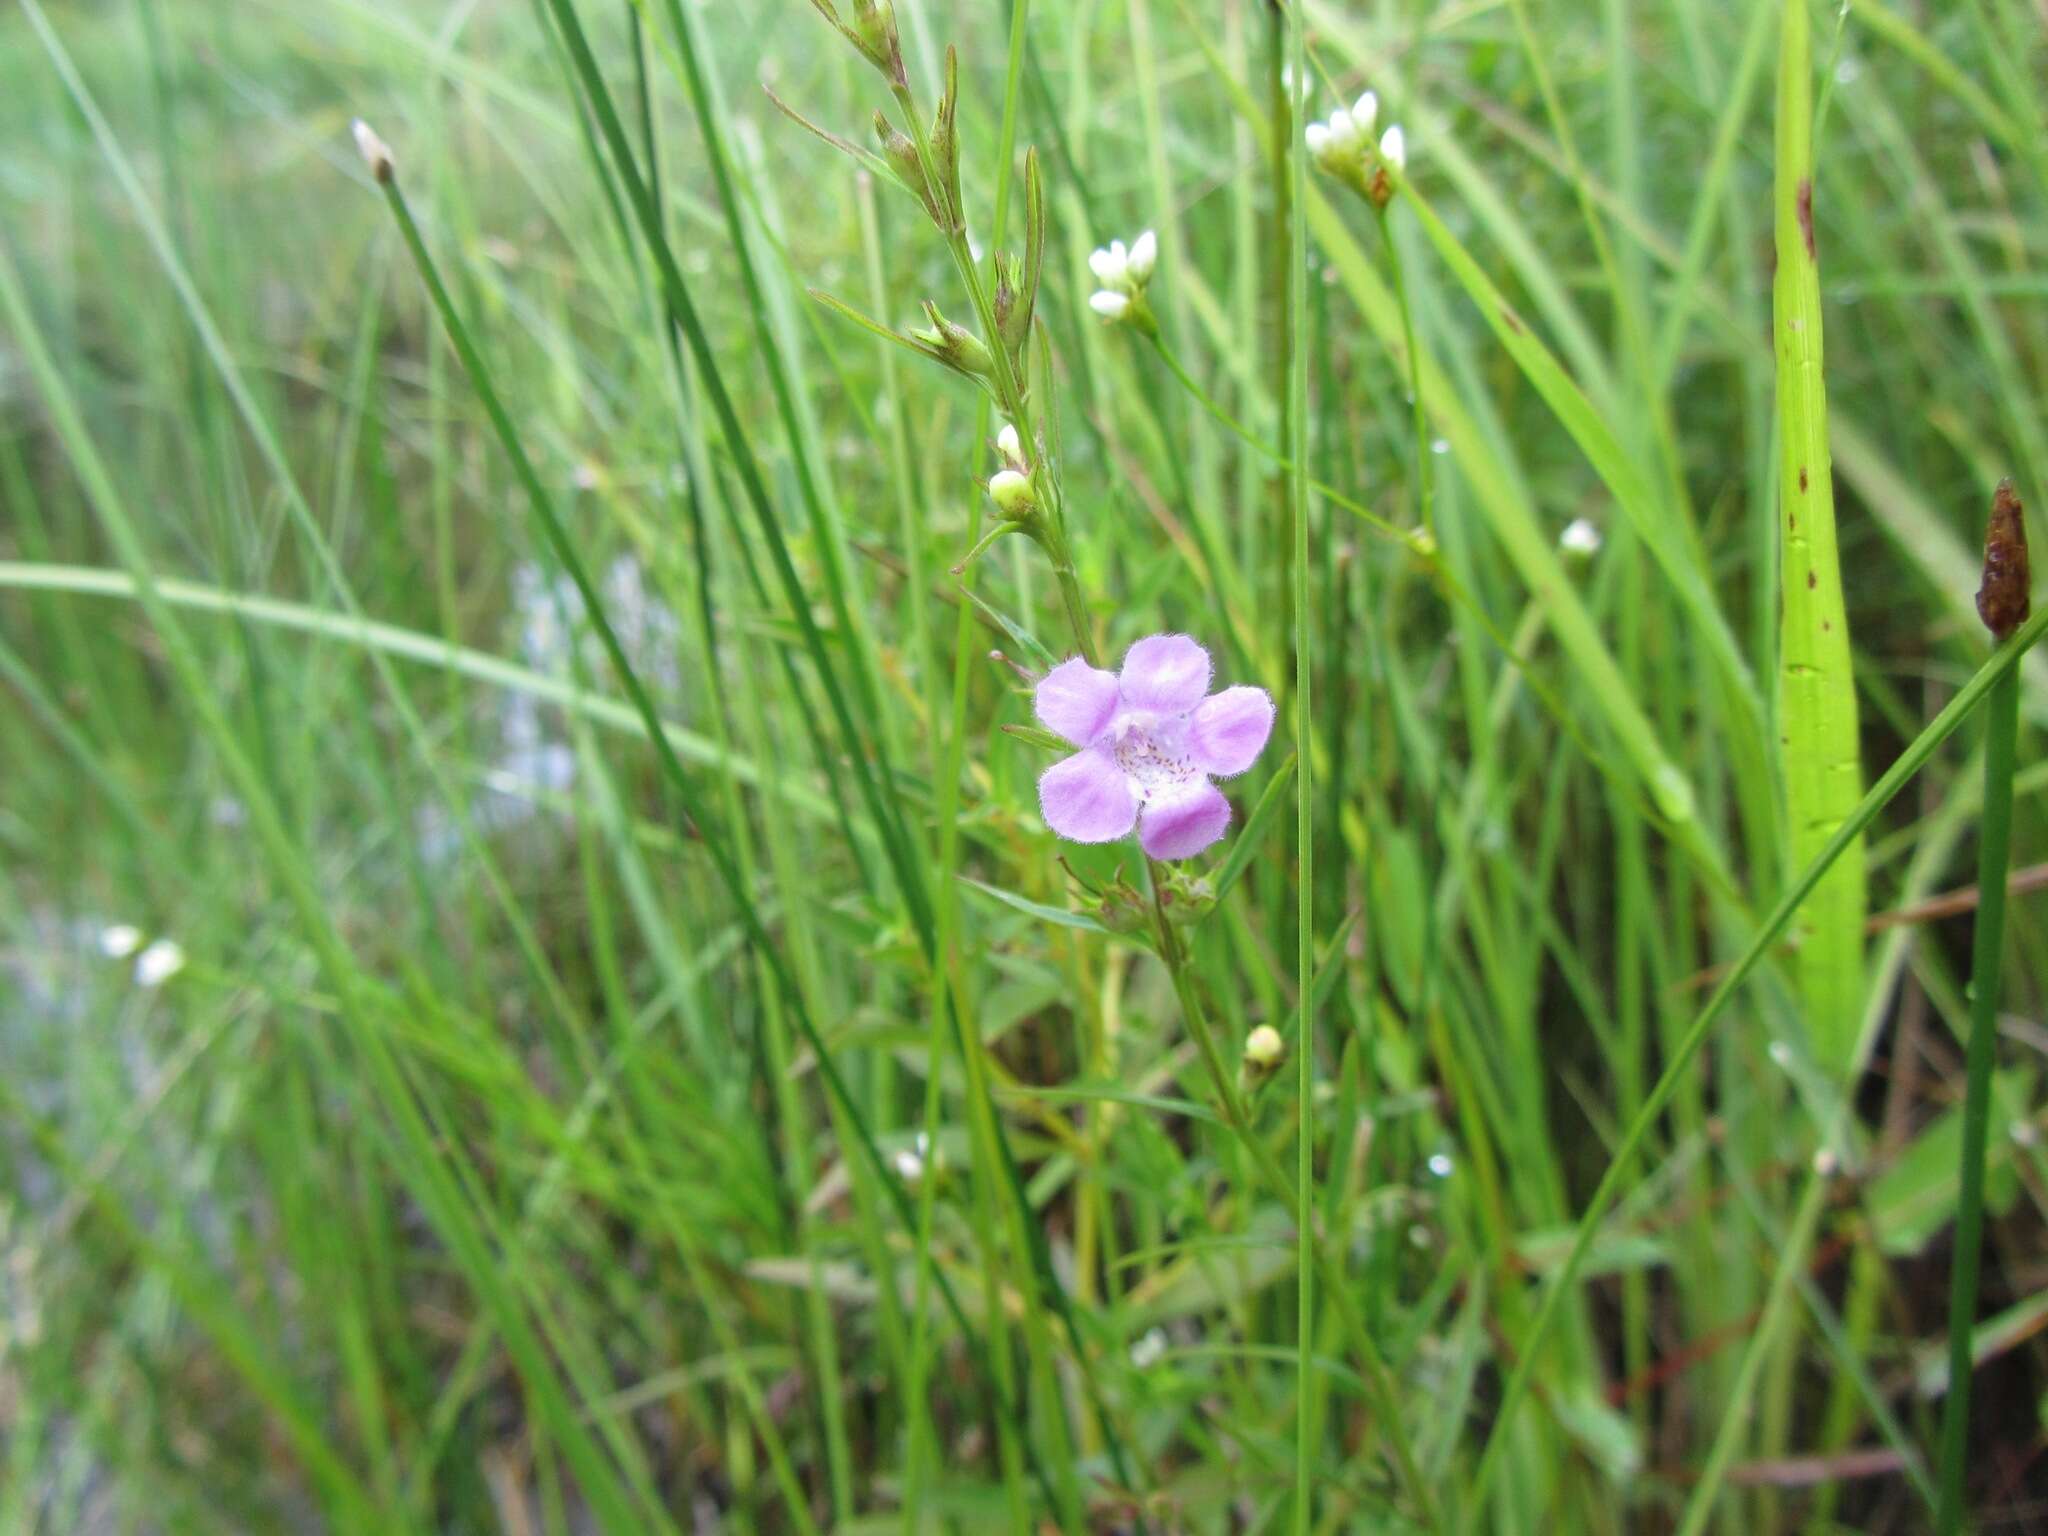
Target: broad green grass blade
<point x="1820" y="748"/>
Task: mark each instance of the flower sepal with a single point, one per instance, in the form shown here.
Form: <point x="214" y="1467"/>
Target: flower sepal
<point x="954" y="345"/>
<point x="1185" y="899"/>
<point x="1123" y="909"/>
<point x="1036" y="736"/>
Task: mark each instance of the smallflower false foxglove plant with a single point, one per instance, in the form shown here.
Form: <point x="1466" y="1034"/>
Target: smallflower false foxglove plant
<point x="1150" y="739"/>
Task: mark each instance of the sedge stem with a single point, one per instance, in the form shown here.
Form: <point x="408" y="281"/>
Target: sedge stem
<point x="1994" y="857"/>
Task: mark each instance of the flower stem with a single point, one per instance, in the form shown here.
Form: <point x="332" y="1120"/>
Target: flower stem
<point x="1994" y="856"/>
<point x="1317" y="1249"/>
<point x="1422" y="475"/>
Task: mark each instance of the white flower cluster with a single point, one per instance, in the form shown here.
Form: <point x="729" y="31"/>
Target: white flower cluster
<point x="1342" y="143"/>
<point x="1123" y="275"/>
<point x="156" y="964"/>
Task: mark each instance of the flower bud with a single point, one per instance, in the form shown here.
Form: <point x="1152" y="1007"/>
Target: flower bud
<point x="1264" y="1050"/>
<point x="1394" y="148"/>
<point x="1144" y="257"/>
<point x="120" y="941"/>
<point x="874" y="31"/>
<point x="1580" y="537"/>
<point x="1110" y="264"/>
<point x="1318" y="137"/>
<point x="912" y="1162"/>
<point x="945" y="145"/>
<point x="954" y="345"/>
<point x="1013" y="317"/>
<point x="1011" y="492"/>
<point x="902" y="157"/>
<point x="159" y="963"/>
<point x="375" y="152"/>
<point x="1111" y="306"/>
<point x="1010" y="446"/>
<point x="1365" y="112"/>
<point x="1345" y="137"/>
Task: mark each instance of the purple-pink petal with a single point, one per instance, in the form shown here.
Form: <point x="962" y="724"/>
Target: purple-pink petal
<point x="1165" y="674"/>
<point x="1075" y="700"/>
<point x="1086" y="799"/>
<point x="1230" y="730"/>
<point x="1182" y="827"/>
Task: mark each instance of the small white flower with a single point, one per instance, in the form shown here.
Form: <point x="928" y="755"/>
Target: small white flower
<point x="1149" y="1349"/>
<point x="1264" y="1049"/>
<point x="1010" y="446"/>
<point x="1318" y="136"/>
<point x="159" y="963"/>
<point x="1394" y="148"/>
<point x="1011" y="492"/>
<point x="120" y="941"/>
<point x="1110" y="264"/>
<point x="1144" y="257"/>
<point x="1580" y="537"/>
<point x="1111" y="306"/>
<point x="1345" y="137"/>
<point x="1365" y="112"/>
<point x="910" y="1161"/>
<point x="1440" y="1165"/>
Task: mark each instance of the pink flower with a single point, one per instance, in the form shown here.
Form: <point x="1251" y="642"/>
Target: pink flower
<point x="1150" y="740"/>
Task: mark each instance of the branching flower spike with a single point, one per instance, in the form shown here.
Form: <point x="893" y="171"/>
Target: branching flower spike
<point x="1150" y="740"/>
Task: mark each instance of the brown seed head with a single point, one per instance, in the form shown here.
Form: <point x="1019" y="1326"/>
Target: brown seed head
<point x="2003" y="599"/>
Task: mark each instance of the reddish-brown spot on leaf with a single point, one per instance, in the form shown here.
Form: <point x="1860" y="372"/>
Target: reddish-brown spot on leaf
<point x="1513" y="322"/>
<point x="1806" y="215"/>
<point x="1802" y="477"/>
<point x="1812" y="581"/>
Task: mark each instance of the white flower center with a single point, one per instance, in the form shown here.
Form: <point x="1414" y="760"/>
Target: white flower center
<point x="1154" y="755"/>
